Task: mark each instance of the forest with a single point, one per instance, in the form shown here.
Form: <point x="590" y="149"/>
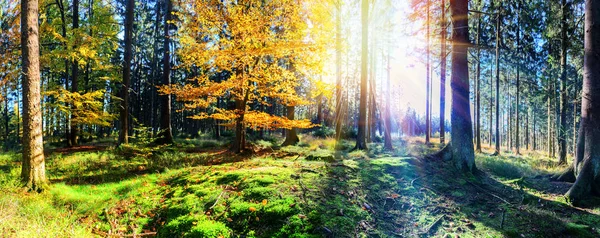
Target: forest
<point x="299" y="118"/>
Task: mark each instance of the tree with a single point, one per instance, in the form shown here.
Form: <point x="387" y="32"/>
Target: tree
<point x="428" y="82"/>
<point x="33" y="172"/>
<point x="562" y="130"/>
<point x="124" y="110"/>
<point x="498" y="35"/>
<point x="387" y="134"/>
<point x="588" y="155"/>
<point x="75" y="73"/>
<point x="462" y="150"/>
<point x="361" y="142"/>
<point x="263" y="62"/>
<point x="443" y="33"/>
<point x="166" y="135"/>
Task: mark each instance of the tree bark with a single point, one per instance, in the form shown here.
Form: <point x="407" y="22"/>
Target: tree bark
<point x="166" y="135"/>
<point x="477" y="90"/>
<point x="75" y="74"/>
<point x="124" y="113"/>
<point x="562" y="130"/>
<point x="428" y="86"/>
<point x="33" y="170"/>
<point x="387" y="133"/>
<point x="338" y="73"/>
<point x="291" y="136"/>
<point x="585" y="164"/>
<point x="443" y="75"/>
<point x="463" y="153"/>
<point x="498" y="19"/>
<point x="361" y="143"/>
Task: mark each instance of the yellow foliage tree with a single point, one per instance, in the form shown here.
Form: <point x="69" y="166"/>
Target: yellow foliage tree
<point x="265" y="47"/>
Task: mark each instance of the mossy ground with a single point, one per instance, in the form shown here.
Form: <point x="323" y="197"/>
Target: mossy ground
<point x="197" y="189"/>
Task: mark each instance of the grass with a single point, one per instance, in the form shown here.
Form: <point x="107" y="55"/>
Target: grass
<point x="197" y="189"/>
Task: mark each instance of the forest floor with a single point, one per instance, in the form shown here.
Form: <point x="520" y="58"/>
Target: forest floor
<point x="197" y="189"/>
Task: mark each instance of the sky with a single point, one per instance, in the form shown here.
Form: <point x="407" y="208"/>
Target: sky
<point x="408" y="69"/>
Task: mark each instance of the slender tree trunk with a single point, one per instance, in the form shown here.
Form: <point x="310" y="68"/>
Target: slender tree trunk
<point x="428" y="87"/>
<point x="166" y="135"/>
<point x="124" y="132"/>
<point x="585" y="164"/>
<point x="462" y="135"/>
<point x="549" y="121"/>
<point x="562" y="129"/>
<point x="361" y="143"/>
<point x="517" y="106"/>
<point x="387" y="134"/>
<point x="443" y="75"/>
<point x="491" y="106"/>
<point x="477" y="90"/>
<point x="75" y="74"/>
<point x="33" y="170"/>
<point x="498" y="19"/>
<point x="338" y="73"/>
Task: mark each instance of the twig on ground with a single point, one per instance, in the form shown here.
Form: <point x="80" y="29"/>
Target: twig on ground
<point x="217" y="201"/>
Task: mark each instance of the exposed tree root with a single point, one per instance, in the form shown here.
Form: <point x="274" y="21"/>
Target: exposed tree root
<point x="568" y="175"/>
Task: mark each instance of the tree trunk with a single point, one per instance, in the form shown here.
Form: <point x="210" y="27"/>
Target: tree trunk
<point x="166" y="135"/>
<point x="585" y="164"/>
<point x="75" y="74"/>
<point x="428" y="86"/>
<point x="338" y="73"/>
<point x="462" y="134"/>
<point x="562" y="129"/>
<point x="498" y="19"/>
<point x="549" y="128"/>
<point x="124" y="132"/>
<point x="387" y="133"/>
<point x="517" y="106"/>
<point x="291" y="136"/>
<point x="477" y="90"/>
<point x="361" y="143"/>
<point x="443" y="75"/>
<point x="33" y="170"/>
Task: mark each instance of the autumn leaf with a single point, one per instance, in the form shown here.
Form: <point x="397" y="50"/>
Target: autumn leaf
<point x="264" y="202"/>
<point x="252" y="209"/>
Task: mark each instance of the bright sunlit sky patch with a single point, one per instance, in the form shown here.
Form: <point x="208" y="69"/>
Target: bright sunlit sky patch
<point x="408" y="68"/>
<point x="408" y="65"/>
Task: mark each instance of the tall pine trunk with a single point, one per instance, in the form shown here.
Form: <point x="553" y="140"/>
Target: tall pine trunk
<point x="361" y="142"/>
<point x="124" y="113"/>
<point x="443" y="75"/>
<point x="587" y="158"/>
<point x="428" y="86"/>
<point x="498" y="30"/>
<point x="338" y="73"/>
<point x="33" y="170"/>
<point x="562" y="129"/>
<point x="387" y="133"/>
<point x="75" y="74"/>
<point x="166" y="135"/>
<point x="477" y="90"/>
<point x="463" y="153"/>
